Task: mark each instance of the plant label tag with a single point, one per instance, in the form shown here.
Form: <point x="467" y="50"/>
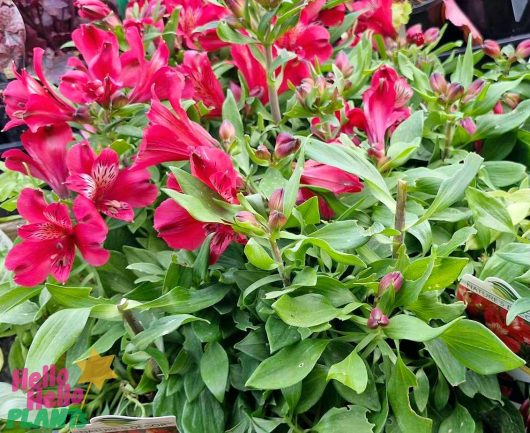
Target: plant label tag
<point x="488" y="301"/>
<point x="124" y="424"/>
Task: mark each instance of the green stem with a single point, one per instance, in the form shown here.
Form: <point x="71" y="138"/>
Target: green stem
<point x="271" y="85"/>
<point x="449" y="133"/>
<point x="279" y="261"/>
<point x="399" y="222"/>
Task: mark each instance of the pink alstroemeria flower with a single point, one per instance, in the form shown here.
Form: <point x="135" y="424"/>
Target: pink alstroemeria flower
<point x="252" y="71"/>
<point x="327" y="177"/>
<point x="45" y="158"/>
<point x="99" y="79"/>
<point x="50" y="238"/>
<point x="195" y="14"/>
<point x="171" y="135"/>
<point x="201" y="84"/>
<point x="178" y="228"/>
<point x="94" y="10"/>
<point x="383" y="107"/>
<point x="33" y="102"/>
<point x="114" y="192"/>
<point x="141" y="74"/>
<point x="376" y="15"/>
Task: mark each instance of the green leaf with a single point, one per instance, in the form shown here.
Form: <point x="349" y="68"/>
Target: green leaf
<point x="227" y="34"/>
<point x="293" y="186"/>
<point x="401" y="380"/>
<point x="479" y="349"/>
<point x="351" y="372"/>
<point x="182" y="301"/>
<point x="344" y="420"/>
<point x="459" y="421"/>
<point x="516" y="253"/>
<point x="428" y="307"/>
<point x="520" y="306"/>
<point x="451" y="368"/>
<point x="214" y="369"/>
<point x="452" y="188"/>
<point x="352" y="160"/>
<point x="444" y="272"/>
<point x="299" y="250"/>
<point x="203" y="415"/>
<point x="494" y="125"/>
<point x="464" y="71"/>
<point x="421" y="392"/>
<point x="313" y="387"/>
<point x="306" y="311"/>
<point x="494" y="92"/>
<point x="160" y="327"/>
<point x="11" y="297"/>
<point x="280" y="334"/>
<point x="403" y="327"/>
<point x="459" y="237"/>
<point x="488" y="211"/>
<point x="287" y="367"/>
<point x="231" y="113"/>
<point x="258" y="256"/>
<point x="56" y="335"/>
<point x="406" y="139"/>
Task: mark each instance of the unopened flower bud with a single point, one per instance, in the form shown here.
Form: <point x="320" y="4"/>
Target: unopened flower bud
<point x="236" y="7"/>
<point x="276" y="200"/>
<point x="512" y="100"/>
<point x="263" y="153"/>
<point x="491" y="48"/>
<point x="403" y="92"/>
<point x="438" y="83"/>
<point x="303" y="90"/>
<point x="277" y="220"/>
<point x="392" y="279"/>
<point x="247" y="220"/>
<point x="474" y="90"/>
<point x="523" y="49"/>
<point x="431" y="35"/>
<point x="469" y="125"/>
<point x="455" y="91"/>
<point x="93" y="10"/>
<point x="377" y="318"/>
<point x="227" y="132"/>
<point x="415" y="35"/>
<point x="498" y="108"/>
<point x="286" y="145"/>
<point x="343" y="63"/>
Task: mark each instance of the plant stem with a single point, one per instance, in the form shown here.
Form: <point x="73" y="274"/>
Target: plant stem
<point x="399" y="223"/>
<point x="279" y="261"/>
<point x="271" y="85"/>
<point x="449" y="132"/>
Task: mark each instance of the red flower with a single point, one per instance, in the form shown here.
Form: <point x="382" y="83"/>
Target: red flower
<point x="45" y="158"/>
<point x="201" y="84"/>
<point x="141" y="74"/>
<point x="327" y="177"/>
<point x="50" y="239"/>
<point x="195" y="14"/>
<point x="376" y="15"/>
<point x="383" y="108"/>
<point x="114" y="192"/>
<point x="99" y="79"/>
<point x="314" y="12"/>
<point x="171" y="135"/>
<point x="33" y="102"/>
<point x="178" y="228"/>
<point x="252" y="70"/>
<point x="92" y="9"/>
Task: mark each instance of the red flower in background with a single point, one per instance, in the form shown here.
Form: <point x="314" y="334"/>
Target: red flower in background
<point x="330" y="178"/>
<point x="384" y="107"/>
<point x="171" y="135"/>
<point x="201" y="84"/>
<point x="33" y="102"/>
<point x="50" y="239"/>
<point x="252" y="70"/>
<point x="98" y="178"/>
<point x="174" y="223"/>
<point x="195" y="14"/>
<point x="376" y="15"/>
<point x="45" y="158"/>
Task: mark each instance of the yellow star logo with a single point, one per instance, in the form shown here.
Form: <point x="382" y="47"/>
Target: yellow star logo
<point x="96" y="369"/>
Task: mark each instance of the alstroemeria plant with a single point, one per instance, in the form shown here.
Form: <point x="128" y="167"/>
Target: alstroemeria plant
<point x="261" y="209"/>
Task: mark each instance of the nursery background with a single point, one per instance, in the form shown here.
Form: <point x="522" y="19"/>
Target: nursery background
<point x="266" y="216"/>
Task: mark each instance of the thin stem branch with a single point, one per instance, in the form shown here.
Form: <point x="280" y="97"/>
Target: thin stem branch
<point x="271" y="85"/>
<point x="279" y="261"/>
<point x="399" y="223"/>
<point x="448" y="141"/>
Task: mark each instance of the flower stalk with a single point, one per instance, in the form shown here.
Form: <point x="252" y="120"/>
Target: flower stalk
<point x="277" y="254"/>
<point x="271" y="86"/>
<point x="399" y="222"/>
